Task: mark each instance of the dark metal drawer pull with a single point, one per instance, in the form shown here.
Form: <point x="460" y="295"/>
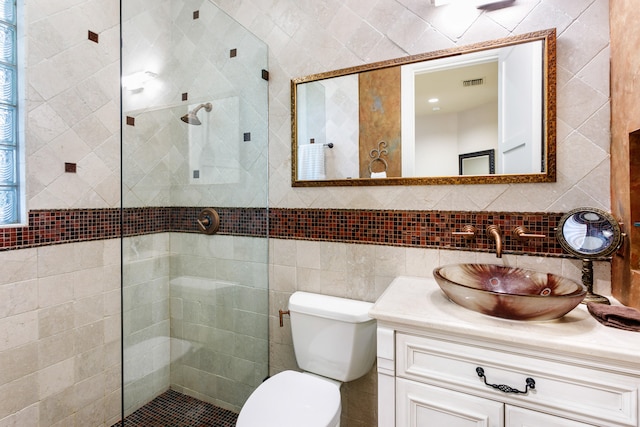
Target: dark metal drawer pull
<point x="531" y="384"/>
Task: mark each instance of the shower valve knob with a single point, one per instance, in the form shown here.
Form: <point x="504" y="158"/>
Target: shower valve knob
<point x="209" y="221"/>
<point x="204" y="223"/>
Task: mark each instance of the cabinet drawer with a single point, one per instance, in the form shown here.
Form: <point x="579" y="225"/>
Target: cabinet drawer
<point x="422" y="405"/>
<point x="518" y="417"/>
<point x="573" y="390"/>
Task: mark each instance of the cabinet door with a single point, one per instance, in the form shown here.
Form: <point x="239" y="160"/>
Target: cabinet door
<point x="519" y="417"/>
<point x="422" y="405"/>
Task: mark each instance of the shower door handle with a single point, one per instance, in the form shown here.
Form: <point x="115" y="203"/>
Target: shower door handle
<point x="208" y="221"/>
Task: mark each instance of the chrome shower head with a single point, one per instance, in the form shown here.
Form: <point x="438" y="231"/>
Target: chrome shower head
<point x="192" y="116"/>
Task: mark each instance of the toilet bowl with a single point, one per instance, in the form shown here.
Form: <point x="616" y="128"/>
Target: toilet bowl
<point x="292" y="399"/>
<point x="334" y="342"/>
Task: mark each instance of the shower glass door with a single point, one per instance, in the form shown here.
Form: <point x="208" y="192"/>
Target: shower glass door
<point x="194" y="305"/>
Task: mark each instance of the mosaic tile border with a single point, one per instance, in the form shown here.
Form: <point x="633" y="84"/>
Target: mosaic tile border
<point x="51" y="227"/>
<point x="429" y="229"/>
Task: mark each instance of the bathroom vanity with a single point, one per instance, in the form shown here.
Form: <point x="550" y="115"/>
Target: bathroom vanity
<point x="443" y="365"/>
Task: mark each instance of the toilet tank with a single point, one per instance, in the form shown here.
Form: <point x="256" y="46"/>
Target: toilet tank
<point x="333" y="337"/>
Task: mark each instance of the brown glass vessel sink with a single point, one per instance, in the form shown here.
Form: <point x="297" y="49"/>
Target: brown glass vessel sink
<point x="510" y="293"/>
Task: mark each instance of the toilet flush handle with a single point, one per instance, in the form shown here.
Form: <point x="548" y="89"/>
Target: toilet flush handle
<point x="282" y="313"/>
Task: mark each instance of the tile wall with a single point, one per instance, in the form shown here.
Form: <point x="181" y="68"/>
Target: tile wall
<point x="60" y="304"/>
<point x="73" y="116"/>
<point x="146" y="327"/>
<point x="219" y="324"/>
<point x="310" y="37"/>
<point x="60" y="339"/>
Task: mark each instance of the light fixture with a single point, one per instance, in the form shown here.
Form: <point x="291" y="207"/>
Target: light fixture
<point x="433" y="100"/>
<point x="479" y="4"/>
<point x="135" y="82"/>
<point x="493" y="4"/>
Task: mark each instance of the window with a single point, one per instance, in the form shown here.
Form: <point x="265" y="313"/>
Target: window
<point x="10" y="212"/>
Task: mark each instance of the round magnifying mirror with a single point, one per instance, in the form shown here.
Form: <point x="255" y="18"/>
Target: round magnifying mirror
<point x="589" y="234"/>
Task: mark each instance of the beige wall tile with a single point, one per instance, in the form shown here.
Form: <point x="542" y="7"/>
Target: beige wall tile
<point x="18" y="362"/>
<point x="19" y="297"/>
<point x="89" y="364"/>
<point x="55" y="290"/>
<point x="18" y="266"/>
<point x="57" y="408"/>
<point x="18" y="330"/>
<point x="56" y="378"/>
<point x="18" y="395"/>
<point x="54" y="320"/>
<point x="55" y="348"/>
<point x="26" y="417"/>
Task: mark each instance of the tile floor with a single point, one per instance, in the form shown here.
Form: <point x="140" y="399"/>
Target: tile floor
<point x="173" y="409"/>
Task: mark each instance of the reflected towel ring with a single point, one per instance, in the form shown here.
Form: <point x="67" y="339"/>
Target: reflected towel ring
<point x="375" y="155"/>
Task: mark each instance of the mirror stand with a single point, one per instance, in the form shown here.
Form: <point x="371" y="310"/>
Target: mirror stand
<point x="587" y="280"/>
<point x="588" y="234"/>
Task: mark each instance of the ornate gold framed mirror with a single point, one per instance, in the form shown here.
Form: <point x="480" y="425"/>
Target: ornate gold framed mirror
<point x="425" y="111"/>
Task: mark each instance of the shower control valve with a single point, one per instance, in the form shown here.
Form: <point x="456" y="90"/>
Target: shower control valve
<point x="208" y="221"/>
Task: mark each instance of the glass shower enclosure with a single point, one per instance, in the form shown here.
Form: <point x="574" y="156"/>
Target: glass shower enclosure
<point x="194" y="305"/>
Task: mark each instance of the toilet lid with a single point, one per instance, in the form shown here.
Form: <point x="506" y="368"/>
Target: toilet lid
<point x="292" y="399"/>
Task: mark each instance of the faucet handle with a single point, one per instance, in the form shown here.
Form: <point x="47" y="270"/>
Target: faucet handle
<point x="468" y="232"/>
<point x="522" y="233"/>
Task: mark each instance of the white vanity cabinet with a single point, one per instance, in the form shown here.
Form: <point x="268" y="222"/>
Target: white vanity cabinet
<point x="422" y="405"/>
<point x="572" y="372"/>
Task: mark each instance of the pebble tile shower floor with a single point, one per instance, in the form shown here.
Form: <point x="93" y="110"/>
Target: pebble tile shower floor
<point x="173" y="409"/>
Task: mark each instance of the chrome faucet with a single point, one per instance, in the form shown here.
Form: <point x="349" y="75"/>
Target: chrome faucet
<point x="493" y="231"/>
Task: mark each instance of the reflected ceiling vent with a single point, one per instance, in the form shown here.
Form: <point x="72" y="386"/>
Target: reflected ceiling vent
<point x="473" y="82"/>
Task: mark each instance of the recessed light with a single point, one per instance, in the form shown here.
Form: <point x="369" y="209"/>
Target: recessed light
<point x="433" y="100"/>
<point x="436" y="108"/>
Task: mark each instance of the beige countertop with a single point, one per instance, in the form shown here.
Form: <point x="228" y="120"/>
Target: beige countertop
<point x="418" y="304"/>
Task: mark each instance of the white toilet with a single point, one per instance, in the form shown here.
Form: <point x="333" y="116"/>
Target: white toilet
<point x="334" y="342"/>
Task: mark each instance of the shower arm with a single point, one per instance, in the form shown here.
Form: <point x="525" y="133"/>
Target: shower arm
<point x="207" y="108"/>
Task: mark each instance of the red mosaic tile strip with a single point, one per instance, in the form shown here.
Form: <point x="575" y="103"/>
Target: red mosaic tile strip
<point x="48" y="227"/>
<point x="137" y="221"/>
<point x="431" y="229"/>
<point x="235" y="221"/>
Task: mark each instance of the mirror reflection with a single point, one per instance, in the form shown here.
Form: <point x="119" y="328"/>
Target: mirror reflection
<point x="589" y="233"/>
<point x="432" y="112"/>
